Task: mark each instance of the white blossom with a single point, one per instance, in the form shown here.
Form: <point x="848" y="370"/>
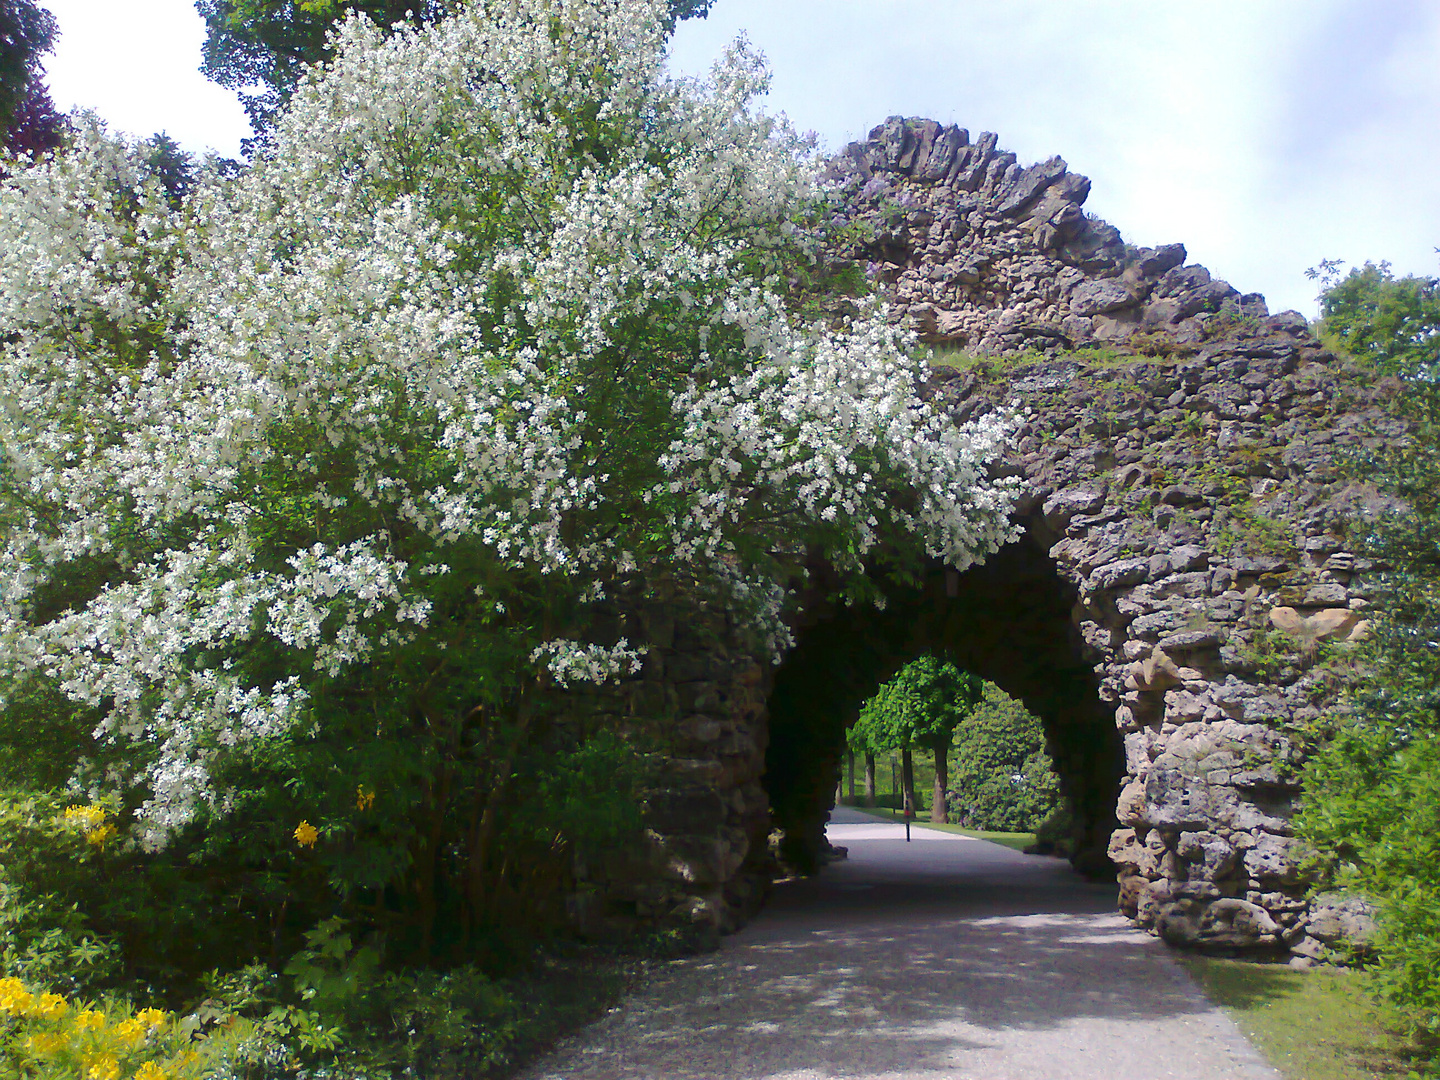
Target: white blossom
<point x="434" y="328"/>
<point x="571" y="661"/>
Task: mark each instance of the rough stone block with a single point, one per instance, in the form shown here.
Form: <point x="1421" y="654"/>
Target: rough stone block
<point x="1340" y="917"/>
<point x="1224" y="923"/>
<point x="1100" y="297"/>
<point x="1064" y="505"/>
<point x="1274" y="860"/>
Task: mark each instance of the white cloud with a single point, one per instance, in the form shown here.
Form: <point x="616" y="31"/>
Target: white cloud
<point x="137" y="64"/>
<point x="1263" y="134"/>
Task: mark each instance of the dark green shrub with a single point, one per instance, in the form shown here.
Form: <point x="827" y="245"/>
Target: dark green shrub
<point x="1002" y="778"/>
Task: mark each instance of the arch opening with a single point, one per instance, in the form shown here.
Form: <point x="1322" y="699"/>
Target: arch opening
<point x="1008" y="621"/>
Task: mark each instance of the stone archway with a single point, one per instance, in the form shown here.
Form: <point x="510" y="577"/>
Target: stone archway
<point x="1186" y="550"/>
<point x="1009" y="620"/>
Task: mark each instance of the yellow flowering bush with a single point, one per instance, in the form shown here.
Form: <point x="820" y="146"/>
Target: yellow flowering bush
<point x="86" y="817"/>
<point x="43" y="1035"/>
<point x="92" y="821"/>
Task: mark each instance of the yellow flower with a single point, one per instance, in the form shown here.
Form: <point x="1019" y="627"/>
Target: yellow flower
<point x="91" y="821"/>
<point x="150" y="1071"/>
<point x="104" y="1068"/>
<point x="44" y="1044"/>
<point x="152" y="1018"/>
<point x="305" y="834"/>
<point x="132" y="1031"/>
<point x="101" y="836"/>
<point x="49" y="1007"/>
<point x="364" y="798"/>
<point x="14" y="998"/>
<point x="90" y="1020"/>
<point x="87" y="817"/>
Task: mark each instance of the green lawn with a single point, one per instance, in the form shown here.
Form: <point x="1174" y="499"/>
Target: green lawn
<point x="1310" y="1025"/>
<point x="887" y="778"/>
<point x="1017" y="840"/>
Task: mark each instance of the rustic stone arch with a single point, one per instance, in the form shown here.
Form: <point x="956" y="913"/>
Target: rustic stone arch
<point x="1186" y="553"/>
<point x="1010" y="620"/>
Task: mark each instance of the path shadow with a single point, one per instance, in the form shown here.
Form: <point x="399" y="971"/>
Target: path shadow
<point x="898" y="962"/>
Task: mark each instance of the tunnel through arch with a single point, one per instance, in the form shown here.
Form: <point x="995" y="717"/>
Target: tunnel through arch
<point x="1008" y="620"/>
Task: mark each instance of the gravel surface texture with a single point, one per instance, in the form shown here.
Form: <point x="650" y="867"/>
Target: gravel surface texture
<point x="944" y="957"/>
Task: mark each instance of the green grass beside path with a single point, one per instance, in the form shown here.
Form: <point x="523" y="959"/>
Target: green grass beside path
<point x="1310" y="1025"/>
<point x="1017" y="840"/>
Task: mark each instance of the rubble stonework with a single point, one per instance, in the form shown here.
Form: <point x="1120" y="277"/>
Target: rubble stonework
<point x="1196" y="508"/>
<point x="980" y="252"/>
<point x="1186" y="558"/>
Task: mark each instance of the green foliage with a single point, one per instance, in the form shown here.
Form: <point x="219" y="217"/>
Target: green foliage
<point x="50" y="878"/>
<point x="387" y="854"/>
<point x="1311" y="1025"/>
<point x="1244" y="529"/>
<point x="1372" y="804"/>
<point x="1002" y="778"/>
<point x="999" y="775"/>
<point x="1393" y="323"/>
<point x="27" y="31"/>
<point x="379" y="1023"/>
<point x="920" y="706"/>
<point x="1055" y="835"/>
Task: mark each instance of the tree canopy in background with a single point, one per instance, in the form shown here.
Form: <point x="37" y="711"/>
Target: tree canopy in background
<point x="991" y="768"/>
<point x="1393" y="323"/>
<point x="1372" y="793"/>
<point x="27" y="32"/>
<point x="29" y="122"/>
<point x="260" y="48"/>
<point x="920" y="706"/>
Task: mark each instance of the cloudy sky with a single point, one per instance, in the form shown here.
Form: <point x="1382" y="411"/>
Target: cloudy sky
<point x="1264" y="134"/>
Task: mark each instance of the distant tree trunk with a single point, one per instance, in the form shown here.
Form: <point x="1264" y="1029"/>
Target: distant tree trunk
<point x="850" y="774"/>
<point x="939" y="811"/>
<point x="869" y="778"/>
<point x="907" y="780"/>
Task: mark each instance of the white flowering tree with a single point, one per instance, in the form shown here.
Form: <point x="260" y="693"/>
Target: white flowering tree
<point x="341" y="452"/>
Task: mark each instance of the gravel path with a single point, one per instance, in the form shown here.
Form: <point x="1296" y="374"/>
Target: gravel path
<point x="943" y="958"/>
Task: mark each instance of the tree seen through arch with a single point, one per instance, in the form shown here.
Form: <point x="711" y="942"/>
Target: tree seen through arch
<point x="1002" y="778"/>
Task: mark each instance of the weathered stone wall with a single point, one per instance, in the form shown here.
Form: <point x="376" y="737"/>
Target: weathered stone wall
<point x="977" y="251"/>
<point x="699" y="707"/>
<point x="1183" y="503"/>
<point x="1197" y="509"/>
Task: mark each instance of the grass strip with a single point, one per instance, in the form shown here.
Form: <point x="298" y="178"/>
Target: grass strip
<point x="1019" y="841"/>
<point x="1310" y="1025"/>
